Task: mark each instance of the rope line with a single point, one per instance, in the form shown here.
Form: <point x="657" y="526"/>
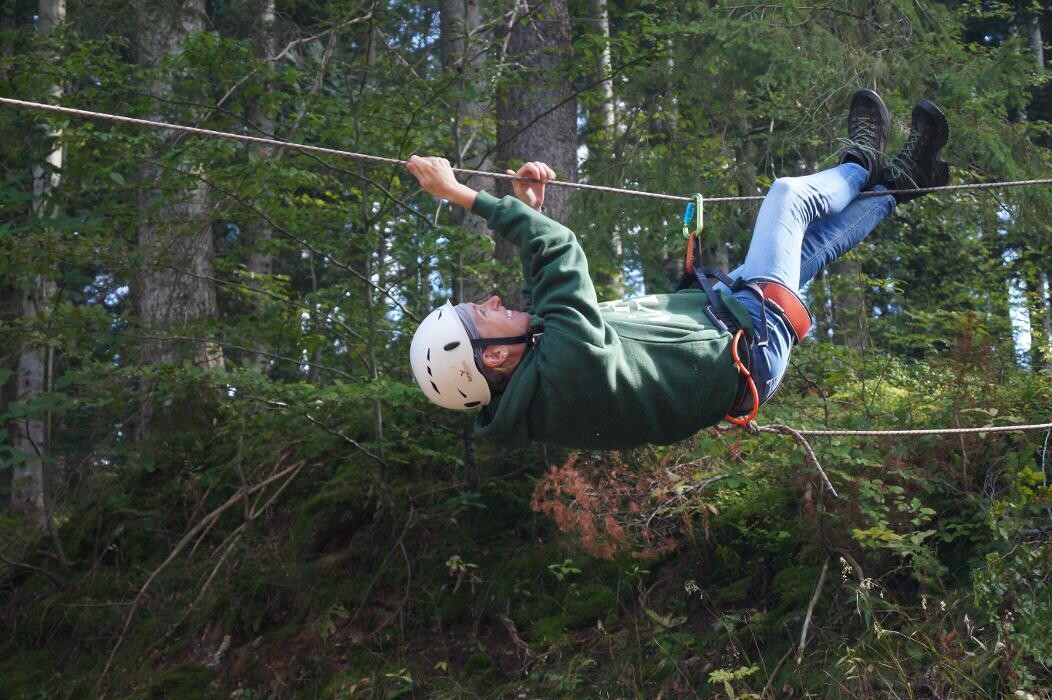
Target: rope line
<point x="320" y="150"/>
<point x="921" y="431"/>
<point x="799" y="434"/>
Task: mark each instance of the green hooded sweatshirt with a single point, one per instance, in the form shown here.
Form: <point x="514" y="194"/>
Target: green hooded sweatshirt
<point x="652" y="369"/>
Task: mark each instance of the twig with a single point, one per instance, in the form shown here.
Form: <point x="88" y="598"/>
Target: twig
<point x="293" y="237"/>
<point x="284" y="52"/>
<point x="774" y="673"/>
<point x="808" y="452"/>
<point x="852" y="562"/>
<point x="187" y="538"/>
<point x="227" y="547"/>
<point x="263" y="292"/>
<point x="380" y="569"/>
<point x="810" y="611"/>
<point x="217" y="341"/>
<point x="351" y="441"/>
<point x="527" y="652"/>
<point x="686" y="490"/>
<point x="30" y="567"/>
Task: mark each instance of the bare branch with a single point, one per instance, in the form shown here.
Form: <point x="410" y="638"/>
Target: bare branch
<point x="343" y="437"/>
<point x="811" y="610"/>
<point x="225" y="344"/>
<point x="186" y="539"/>
<point x="30" y="567"/>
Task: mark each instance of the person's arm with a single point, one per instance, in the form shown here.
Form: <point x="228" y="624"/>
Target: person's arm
<point x="555" y="269"/>
<point x="436" y="176"/>
<point x="530" y="193"/>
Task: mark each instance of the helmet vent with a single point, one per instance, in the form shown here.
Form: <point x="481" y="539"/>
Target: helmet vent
<point x="435" y="388"/>
<point x="429" y="371"/>
<point x="451" y="346"/>
<point x="472" y="404"/>
<point x="462" y="393"/>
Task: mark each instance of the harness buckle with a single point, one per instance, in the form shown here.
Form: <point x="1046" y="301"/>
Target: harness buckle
<point x="710" y="311"/>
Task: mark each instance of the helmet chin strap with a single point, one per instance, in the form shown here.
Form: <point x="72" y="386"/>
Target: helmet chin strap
<point x="531" y="338"/>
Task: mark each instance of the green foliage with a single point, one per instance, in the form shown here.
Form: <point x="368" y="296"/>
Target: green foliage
<point x="404" y="559"/>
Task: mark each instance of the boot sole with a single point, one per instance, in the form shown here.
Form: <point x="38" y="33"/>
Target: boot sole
<point x="928" y="111"/>
<point x="932" y="112"/>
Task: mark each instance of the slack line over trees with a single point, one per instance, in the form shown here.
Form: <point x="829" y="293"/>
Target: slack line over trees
<point x="861" y="182"/>
<point x="319" y="150"/>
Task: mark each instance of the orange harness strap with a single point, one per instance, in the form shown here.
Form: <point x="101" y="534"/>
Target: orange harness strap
<point x="744" y="371"/>
<point x="794" y="311"/>
<point x="789" y="305"/>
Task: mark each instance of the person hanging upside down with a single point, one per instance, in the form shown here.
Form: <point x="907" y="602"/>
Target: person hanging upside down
<point x="571" y="371"/>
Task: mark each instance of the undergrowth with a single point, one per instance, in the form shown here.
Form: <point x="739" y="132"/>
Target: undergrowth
<point x="717" y="567"/>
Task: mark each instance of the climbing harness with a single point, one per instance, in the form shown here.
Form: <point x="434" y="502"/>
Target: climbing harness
<point x="779" y="298"/>
<point x="789" y="306"/>
<point x="746" y="380"/>
<point x="748" y="395"/>
<point x="747" y="399"/>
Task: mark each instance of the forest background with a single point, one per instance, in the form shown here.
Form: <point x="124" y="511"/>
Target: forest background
<point x="220" y="480"/>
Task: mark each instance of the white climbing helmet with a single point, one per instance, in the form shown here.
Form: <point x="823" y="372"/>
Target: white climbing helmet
<point x="444" y="362"/>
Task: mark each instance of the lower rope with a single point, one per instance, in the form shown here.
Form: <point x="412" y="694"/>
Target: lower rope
<point x="799" y="434"/>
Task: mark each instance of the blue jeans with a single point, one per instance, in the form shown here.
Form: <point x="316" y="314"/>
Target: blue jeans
<point x="804" y="224"/>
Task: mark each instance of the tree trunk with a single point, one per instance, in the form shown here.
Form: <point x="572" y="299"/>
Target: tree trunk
<point x="536" y="113"/>
<point x="606" y="107"/>
<point x="611" y="279"/>
<point x="260" y="263"/>
<point x="175" y="238"/>
<point x="31" y="435"/>
<point x="821" y="306"/>
<point x="1037" y="44"/>
<point x="463" y="53"/>
<point x="1033" y="276"/>
<point x="1035" y="295"/>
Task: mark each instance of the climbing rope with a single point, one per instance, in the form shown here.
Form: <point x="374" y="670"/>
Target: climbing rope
<point x="799" y="434"/>
<point x="319" y="150"/>
<point x="925" y="431"/>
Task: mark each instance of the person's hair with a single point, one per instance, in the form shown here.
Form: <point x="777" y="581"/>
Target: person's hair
<point x="497" y="380"/>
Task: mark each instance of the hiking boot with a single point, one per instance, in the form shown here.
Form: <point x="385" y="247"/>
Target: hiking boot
<point x="867" y="131"/>
<point x="918" y="165"/>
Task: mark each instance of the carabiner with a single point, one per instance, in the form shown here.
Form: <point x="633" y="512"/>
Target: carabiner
<point x="693" y="223"/>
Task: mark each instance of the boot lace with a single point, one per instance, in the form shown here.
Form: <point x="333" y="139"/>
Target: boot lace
<point x="863" y="139"/>
<point x="904" y="165"/>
